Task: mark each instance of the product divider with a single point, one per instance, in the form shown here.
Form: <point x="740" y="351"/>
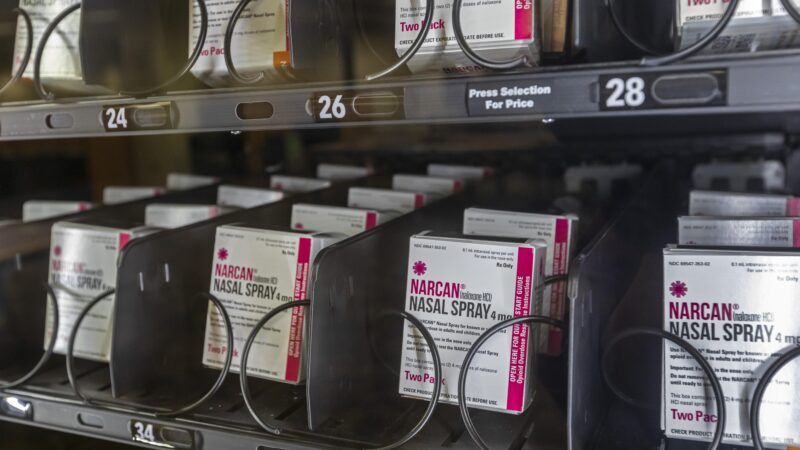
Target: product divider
<point x="160" y="316"/>
<point x="24" y="259"/>
<point x="616" y="283"/>
<point x="355" y="336"/>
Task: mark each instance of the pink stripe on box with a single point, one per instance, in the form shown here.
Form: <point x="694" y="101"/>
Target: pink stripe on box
<point x="793" y="207"/>
<point x="519" y="333"/>
<point x="457" y="185"/>
<point x="558" y="290"/>
<point x="372" y="220"/>
<point x="419" y="201"/>
<point x="523" y="19"/>
<point x="84" y="206"/>
<point x="124" y="238"/>
<point x="298" y="314"/>
<point x="796" y="229"/>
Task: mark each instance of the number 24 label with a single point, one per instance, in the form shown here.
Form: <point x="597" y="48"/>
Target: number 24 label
<point x="116" y="118"/>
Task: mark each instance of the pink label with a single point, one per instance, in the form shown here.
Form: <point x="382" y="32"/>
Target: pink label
<point x="84" y="207"/>
<point x="372" y="220"/>
<point x="793" y="207"/>
<point x="419" y="201"/>
<point x="558" y="290"/>
<point x="519" y="333"/>
<point x="796" y="229"/>
<point x="298" y="314"/>
<point x="457" y="185"/>
<point x="523" y="19"/>
<point x="124" y="238"/>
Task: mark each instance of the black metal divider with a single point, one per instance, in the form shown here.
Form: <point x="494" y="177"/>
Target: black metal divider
<point x="24" y="259"/>
<point x="615" y="282"/>
<point x="354" y="349"/>
<point x="159" y="317"/>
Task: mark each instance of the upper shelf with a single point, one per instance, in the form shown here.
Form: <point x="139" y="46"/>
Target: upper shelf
<point x="719" y="86"/>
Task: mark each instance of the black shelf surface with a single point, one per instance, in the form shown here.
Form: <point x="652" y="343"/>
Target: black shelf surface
<point x="758" y="87"/>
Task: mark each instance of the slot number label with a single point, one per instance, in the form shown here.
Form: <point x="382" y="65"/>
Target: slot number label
<point x="153" y="434"/>
<point x="330" y="107"/>
<point x="659" y="90"/>
<point x="356" y="106"/>
<point x="116" y="118"/>
<point x="624" y="92"/>
<point x="122" y="118"/>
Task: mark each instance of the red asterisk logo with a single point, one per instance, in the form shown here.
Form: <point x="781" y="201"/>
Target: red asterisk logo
<point x="222" y="254"/>
<point x="678" y="289"/>
<point x="419" y="268"/>
<point x="57" y="250"/>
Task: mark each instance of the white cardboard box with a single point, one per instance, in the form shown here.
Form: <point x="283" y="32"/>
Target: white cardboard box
<point x="246" y="197"/>
<point x="739" y="231"/>
<point x="439" y="186"/>
<point x="559" y="233"/>
<point x="166" y="215"/>
<point x="183" y="181"/>
<point x="739" y="176"/>
<point x="260" y="40"/>
<point x="711" y="203"/>
<point x="254" y="271"/>
<point x="458" y="287"/>
<point x="336" y="219"/>
<point x="61" y="59"/>
<point x="468" y="173"/>
<point x="756" y="25"/>
<point x="121" y="194"/>
<point x="739" y="309"/>
<point x="83" y="258"/>
<point x="290" y="183"/>
<point x="498" y="30"/>
<point x="385" y="199"/>
<point x="335" y="172"/>
<point x="33" y="210"/>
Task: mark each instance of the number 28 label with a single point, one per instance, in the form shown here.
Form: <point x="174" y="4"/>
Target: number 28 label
<point x="659" y="90"/>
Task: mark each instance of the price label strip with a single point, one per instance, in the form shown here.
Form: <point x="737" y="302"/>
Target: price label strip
<point x="357" y="106"/>
<point x="507" y="98"/>
<point x="660" y="90"/>
<point x="124" y="118"/>
<point x="160" y="435"/>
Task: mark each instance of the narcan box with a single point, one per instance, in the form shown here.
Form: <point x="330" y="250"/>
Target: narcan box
<point x="183" y="181"/>
<point x="709" y="231"/>
<point x="712" y="203"/>
<point x="167" y="215"/>
<point x="246" y="197"/>
<point x="288" y="183"/>
<point x="121" y="194"/>
<point x="336" y="172"/>
<point x="739" y="309"/>
<point x="254" y="271"/>
<point x="337" y="219"/>
<point x="559" y="233"/>
<point x="756" y="25"/>
<point x="83" y="259"/>
<point x="467" y="173"/>
<point x="436" y="186"/>
<point x="498" y="30"/>
<point x="260" y="41"/>
<point x="458" y="287"/>
<point x="33" y="210"/>
<point x="385" y="199"/>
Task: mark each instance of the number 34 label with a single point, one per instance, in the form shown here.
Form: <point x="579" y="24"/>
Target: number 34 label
<point x="658" y="90"/>
<point x="160" y="435"/>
